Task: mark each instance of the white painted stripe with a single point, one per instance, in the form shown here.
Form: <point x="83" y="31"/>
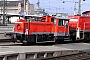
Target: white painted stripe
<point x="18" y="22"/>
<point x="42" y="33"/>
<point x="45" y="41"/>
<point x="73" y="20"/>
<point x="19" y="32"/>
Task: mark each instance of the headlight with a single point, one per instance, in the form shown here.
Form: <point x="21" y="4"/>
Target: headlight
<point x="18" y="27"/>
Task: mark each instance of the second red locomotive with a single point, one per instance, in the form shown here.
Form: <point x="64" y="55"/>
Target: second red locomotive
<point x="80" y="26"/>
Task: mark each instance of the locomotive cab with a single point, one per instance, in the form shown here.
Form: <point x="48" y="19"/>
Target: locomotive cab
<point x="61" y="28"/>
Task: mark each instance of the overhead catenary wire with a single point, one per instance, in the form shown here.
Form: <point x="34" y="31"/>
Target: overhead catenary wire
<point x="61" y="3"/>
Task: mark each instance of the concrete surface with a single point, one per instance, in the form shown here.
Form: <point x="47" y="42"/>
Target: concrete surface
<point x="59" y="47"/>
<point x="36" y="52"/>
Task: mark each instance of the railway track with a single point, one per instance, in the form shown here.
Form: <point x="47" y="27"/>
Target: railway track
<point x="8" y="42"/>
<point x="5" y="40"/>
<point x="79" y="56"/>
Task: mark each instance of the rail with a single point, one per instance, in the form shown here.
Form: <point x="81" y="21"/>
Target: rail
<point x="35" y="55"/>
<point x="8" y="28"/>
<point x="78" y="56"/>
<point x="3" y="29"/>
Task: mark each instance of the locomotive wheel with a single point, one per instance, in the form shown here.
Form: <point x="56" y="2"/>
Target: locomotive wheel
<point x="86" y="39"/>
<point x="25" y="43"/>
<point x="59" y="40"/>
<point x="73" y="38"/>
<point x="13" y="39"/>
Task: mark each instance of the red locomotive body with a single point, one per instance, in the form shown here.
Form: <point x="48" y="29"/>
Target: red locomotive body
<point x="81" y="22"/>
<point x="80" y="27"/>
<point x="42" y="30"/>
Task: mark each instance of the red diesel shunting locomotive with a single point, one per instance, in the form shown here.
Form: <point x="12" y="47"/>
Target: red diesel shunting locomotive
<point x="80" y="27"/>
<point x="41" y="29"/>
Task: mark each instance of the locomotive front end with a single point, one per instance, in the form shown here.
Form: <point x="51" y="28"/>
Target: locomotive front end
<point x="19" y="30"/>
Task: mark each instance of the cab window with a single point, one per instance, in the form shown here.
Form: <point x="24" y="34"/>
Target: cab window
<point x="60" y="22"/>
<point x="53" y="20"/>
